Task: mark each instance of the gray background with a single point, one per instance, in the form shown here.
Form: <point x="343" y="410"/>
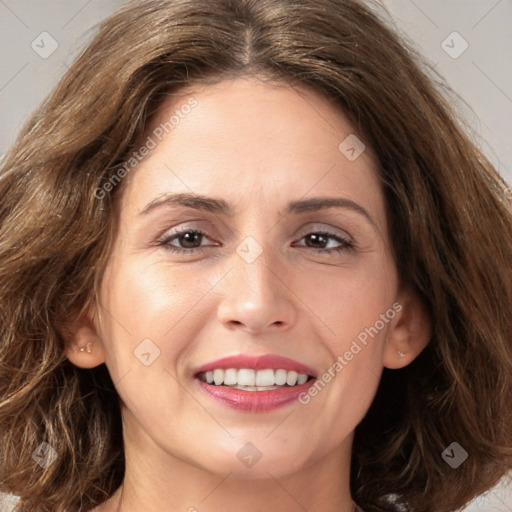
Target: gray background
<point x="481" y="75"/>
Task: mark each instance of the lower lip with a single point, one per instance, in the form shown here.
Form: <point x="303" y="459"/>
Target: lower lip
<point x="255" y="401"/>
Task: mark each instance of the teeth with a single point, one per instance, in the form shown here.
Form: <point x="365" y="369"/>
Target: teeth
<point x="218" y="377"/>
<point x="252" y="380"/>
<point x="301" y="379"/>
<point x="230" y="377"/>
<point x="291" y="378"/>
<point x="246" y="377"/>
<point x="265" y="378"/>
<point x="280" y="377"/>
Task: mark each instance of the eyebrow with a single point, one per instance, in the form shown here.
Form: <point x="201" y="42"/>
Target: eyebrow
<point x="220" y="206"/>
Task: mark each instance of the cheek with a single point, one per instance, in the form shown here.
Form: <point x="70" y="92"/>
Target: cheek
<point x="142" y="301"/>
<point x="349" y="300"/>
<point x="150" y="296"/>
<point x="356" y="307"/>
<point x="148" y="327"/>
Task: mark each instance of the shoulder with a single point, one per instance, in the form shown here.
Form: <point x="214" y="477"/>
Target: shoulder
<point x="8" y="502"/>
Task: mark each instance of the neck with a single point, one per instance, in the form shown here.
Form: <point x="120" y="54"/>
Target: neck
<point x="157" y="481"/>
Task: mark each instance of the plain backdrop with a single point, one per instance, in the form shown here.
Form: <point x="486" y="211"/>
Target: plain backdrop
<point x="469" y="42"/>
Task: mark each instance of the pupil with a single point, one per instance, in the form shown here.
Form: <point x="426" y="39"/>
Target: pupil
<point x="190" y="238"/>
<point x="317" y="239"/>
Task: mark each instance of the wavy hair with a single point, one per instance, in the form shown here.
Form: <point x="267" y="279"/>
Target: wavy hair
<point x="451" y="230"/>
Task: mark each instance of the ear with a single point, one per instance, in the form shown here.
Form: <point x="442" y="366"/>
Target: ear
<point x="83" y="345"/>
<point x="410" y="331"/>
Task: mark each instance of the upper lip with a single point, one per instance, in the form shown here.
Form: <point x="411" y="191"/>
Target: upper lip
<point x="262" y="362"/>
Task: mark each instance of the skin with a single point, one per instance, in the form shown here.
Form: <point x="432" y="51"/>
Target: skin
<point x="258" y="146"/>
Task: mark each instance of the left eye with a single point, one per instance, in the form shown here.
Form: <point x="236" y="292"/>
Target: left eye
<point x="322" y="238"/>
<point x="191" y="241"/>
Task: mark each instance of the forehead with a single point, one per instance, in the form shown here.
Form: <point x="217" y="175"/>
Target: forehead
<point x="251" y="142"/>
<point x="251" y="108"/>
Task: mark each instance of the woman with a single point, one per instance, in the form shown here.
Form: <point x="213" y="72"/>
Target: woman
<point x="250" y="259"/>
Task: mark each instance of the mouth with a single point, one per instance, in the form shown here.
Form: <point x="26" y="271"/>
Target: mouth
<point x="255" y="384"/>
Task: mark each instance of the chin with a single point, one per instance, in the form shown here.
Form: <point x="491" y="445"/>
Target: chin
<point x="244" y="464"/>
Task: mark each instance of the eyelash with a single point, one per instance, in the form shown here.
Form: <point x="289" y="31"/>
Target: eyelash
<point x="347" y="246"/>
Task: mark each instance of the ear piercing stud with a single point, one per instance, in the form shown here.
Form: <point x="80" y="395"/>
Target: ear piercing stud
<point x="400" y="353"/>
<point x="86" y="348"/>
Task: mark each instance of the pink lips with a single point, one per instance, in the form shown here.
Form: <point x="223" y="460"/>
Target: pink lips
<point x="255" y="401"/>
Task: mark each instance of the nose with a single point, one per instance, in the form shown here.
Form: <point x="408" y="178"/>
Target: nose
<point x="257" y="296"/>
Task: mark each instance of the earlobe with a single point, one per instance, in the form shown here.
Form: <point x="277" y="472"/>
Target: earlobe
<point x="410" y="332"/>
<point x="83" y="346"/>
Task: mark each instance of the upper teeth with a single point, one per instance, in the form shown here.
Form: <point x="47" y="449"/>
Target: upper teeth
<point x="247" y="377"/>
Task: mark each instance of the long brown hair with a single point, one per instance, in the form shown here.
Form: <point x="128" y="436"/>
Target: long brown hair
<point x="451" y="228"/>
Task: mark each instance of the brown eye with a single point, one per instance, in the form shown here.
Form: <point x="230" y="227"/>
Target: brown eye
<point x="318" y="241"/>
<point x="315" y="239"/>
<point x="189" y="240"/>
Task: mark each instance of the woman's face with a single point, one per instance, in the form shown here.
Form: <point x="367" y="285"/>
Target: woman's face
<point x="227" y="248"/>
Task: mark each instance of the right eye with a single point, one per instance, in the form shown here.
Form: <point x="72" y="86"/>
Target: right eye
<point x="186" y="238"/>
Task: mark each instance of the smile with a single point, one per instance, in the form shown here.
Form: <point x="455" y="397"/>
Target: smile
<point x="255" y="384"/>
